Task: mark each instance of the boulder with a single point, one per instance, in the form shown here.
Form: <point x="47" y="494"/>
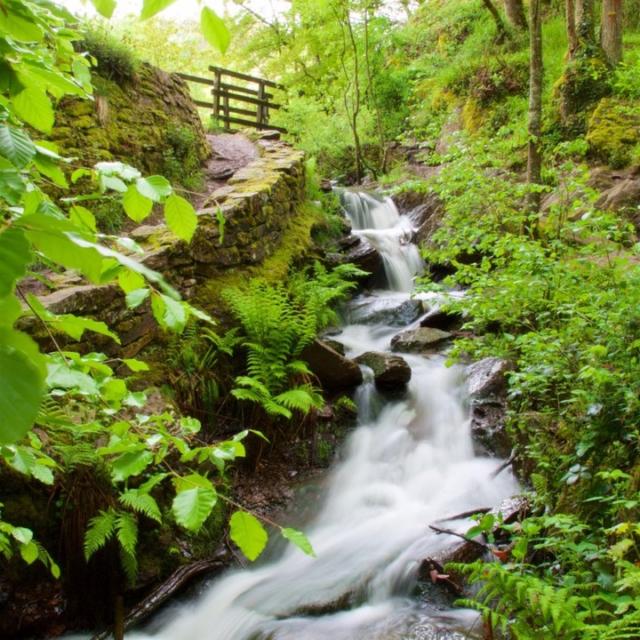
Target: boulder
<point x="390" y="372"/>
<point x="486" y="377"/>
<point x="333" y="370"/>
<point x="394" y="312"/>
<point x="487" y="387"/>
<point x="441" y="319"/>
<point x="365" y="256"/>
<point x="422" y="340"/>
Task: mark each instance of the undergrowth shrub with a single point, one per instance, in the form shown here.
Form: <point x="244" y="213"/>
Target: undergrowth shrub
<point x="114" y="59"/>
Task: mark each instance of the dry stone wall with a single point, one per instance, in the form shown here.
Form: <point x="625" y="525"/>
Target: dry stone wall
<point x="258" y="204"/>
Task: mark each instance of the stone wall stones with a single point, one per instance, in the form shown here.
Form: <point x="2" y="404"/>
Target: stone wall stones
<point x="258" y="204"/>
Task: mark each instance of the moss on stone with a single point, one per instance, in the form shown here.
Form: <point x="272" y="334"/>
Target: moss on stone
<point x="472" y="116"/>
<point x="614" y="131"/>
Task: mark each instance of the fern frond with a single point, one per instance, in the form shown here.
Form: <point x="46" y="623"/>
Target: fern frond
<point x="100" y="531"/>
<point x="142" y="503"/>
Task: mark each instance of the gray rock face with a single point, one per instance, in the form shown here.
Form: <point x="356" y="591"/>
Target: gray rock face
<point x="488" y="394"/>
<point x="334" y="371"/>
<point x="422" y="340"/>
<point x="365" y="257"/>
<point x="390" y="372"/>
<point x="395" y="313"/>
<point x="440" y="319"/>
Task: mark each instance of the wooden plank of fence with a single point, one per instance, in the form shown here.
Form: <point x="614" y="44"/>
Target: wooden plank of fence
<point x="226" y="94"/>
<point x="244" y="76"/>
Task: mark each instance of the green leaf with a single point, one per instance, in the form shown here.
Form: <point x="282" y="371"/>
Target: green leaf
<point x="299" y="539"/>
<point x="154" y="187"/>
<point x="21" y="392"/>
<point x="51" y="169"/>
<point x="131" y="464"/>
<point x="151" y="7"/>
<point x="127" y="532"/>
<point x="248" y="533"/>
<point x="175" y="315"/>
<point x="29" y="552"/>
<point x="15" y="256"/>
<point x="105" y="7"/>
<point x="194" y="500"/>
<point x="214" y="29"/>
<point x="136" y="365"/>
<point x="34" y="107"/>
<point x="181" y="217"/>
<point x="136" y="206"/>
<point x="61" y="376"/>
<point x="136" y="297"/>
<point x="22" y="534"/>
<point x="82" y="217"/>
<point x="18" y="27"/>
<point x="16" y="146"/>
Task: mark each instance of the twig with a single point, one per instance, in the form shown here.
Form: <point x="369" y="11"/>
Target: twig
<point x="44" y="324"/>
<point x="450" y="532"/>
<point x="504" y="465"/>
<point x="465" y="514"/>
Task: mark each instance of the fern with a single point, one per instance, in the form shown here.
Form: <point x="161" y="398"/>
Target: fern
<point x="141" y="502"/>
<point x="100" y="531"/>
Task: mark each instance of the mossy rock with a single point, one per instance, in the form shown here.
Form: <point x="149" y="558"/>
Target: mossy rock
<point x="585" y="81"/>
<point x="613" y="131"/>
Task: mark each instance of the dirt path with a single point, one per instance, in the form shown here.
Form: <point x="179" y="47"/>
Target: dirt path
<point x="231" y="151"/>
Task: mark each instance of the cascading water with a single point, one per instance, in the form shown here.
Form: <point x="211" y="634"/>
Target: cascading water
<point x="409" y="463"/>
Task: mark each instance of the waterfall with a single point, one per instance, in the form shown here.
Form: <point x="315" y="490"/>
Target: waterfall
<point x="377" y="220"/>
<point x="409" y="462"/>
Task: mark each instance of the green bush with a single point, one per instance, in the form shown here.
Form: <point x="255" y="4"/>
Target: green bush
<point x="114" y="60"/>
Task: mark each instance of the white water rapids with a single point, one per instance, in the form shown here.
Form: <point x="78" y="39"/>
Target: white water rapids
<point x="409" y="463"/>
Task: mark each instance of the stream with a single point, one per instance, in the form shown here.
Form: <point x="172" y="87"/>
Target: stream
<point x="409" y="462"/>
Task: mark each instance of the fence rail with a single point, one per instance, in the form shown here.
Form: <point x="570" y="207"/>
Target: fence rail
<point x="229" y="98"/>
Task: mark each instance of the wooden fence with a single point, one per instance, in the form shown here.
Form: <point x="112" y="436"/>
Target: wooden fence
<point x="238" y="98"/>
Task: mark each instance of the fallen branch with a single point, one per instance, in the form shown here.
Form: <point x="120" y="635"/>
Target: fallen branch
<point x="465" y="514"/>
<point x="451" y="532"/>
<point x="172" y="585"/>
<point x="504" y="465"/>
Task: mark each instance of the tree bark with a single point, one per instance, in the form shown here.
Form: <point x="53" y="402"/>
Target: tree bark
<point x="536" y="73"/>
<point x="572" y="34"/>
<point x="515" y="14"/>
<point x="585" y="21"/>
<point x="611" y="28"/>
<point x="500" y="29"/>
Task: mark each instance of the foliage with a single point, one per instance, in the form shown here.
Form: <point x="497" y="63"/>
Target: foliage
<point x="114" y="60"/>
<point x="181" y="161"/>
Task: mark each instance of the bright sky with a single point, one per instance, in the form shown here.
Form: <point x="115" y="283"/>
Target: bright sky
<point x="179" y="10"/>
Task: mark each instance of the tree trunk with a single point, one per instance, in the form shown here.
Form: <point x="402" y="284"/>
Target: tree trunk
<point x="611" y="28"/>
<point x="534" y="159"/>
<point x="515" y="14"/>
<point x="572" y="34"/>
<point x="501" y="31"/>
<point x="585" y="21"/>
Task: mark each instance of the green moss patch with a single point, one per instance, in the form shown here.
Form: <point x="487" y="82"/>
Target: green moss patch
<point x="614" y="131"/>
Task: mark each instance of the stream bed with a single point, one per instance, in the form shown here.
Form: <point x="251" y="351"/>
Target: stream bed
<point x="409" y="462"/>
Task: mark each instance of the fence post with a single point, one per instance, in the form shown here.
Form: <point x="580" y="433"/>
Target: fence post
<point x="263" y="114"/>
<point x="216" y="95"/>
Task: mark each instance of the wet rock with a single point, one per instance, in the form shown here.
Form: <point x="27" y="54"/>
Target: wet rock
<point x="389" y="311"/>
<point x="391" y="372"/>
<point x="486" y="377"/>
<point x="335" y="345"/>
<point x="365" y="257"/>
<point x="334" y="371"/>
<point x="487" y="385"/>
<point x="441" y="319"/>
<point x="422" y="340"/>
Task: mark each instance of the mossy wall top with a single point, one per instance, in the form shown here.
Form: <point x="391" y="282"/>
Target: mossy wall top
<point x="130" y="120"/>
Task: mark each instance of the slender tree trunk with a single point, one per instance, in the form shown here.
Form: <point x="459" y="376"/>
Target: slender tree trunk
<point x="572" y="34"/>
<point x="497" y="18"/>
<point x="515" y="14"/>
<point x="585" y="21"/>
<point x="611" y="28"/>
<point x="534" y="160"/>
